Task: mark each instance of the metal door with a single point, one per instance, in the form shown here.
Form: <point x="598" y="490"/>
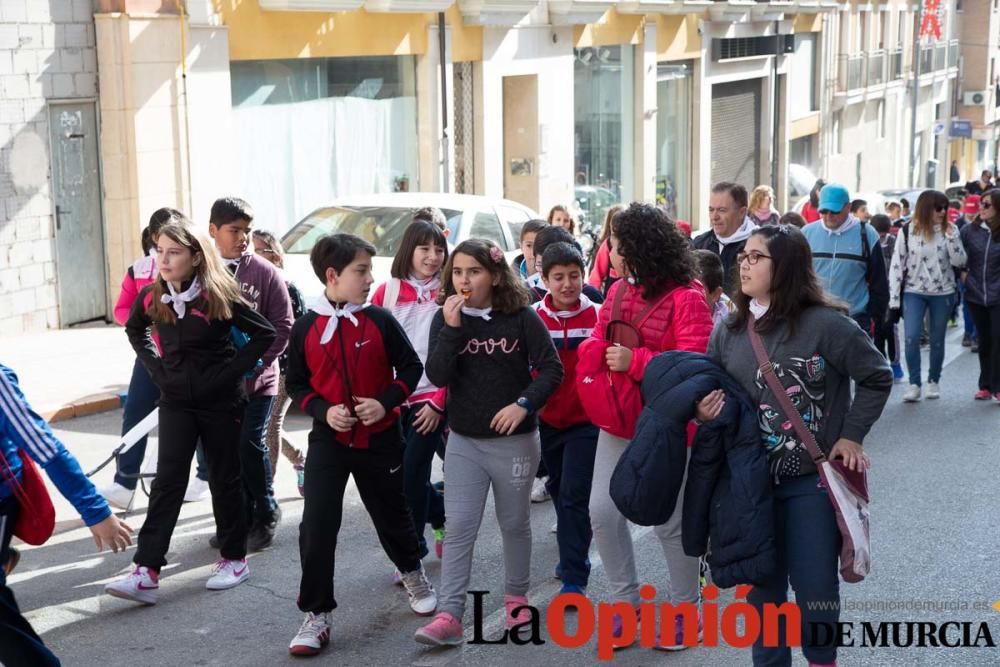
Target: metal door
<point x="76" y="192"/>
<point x="736" y="143"/>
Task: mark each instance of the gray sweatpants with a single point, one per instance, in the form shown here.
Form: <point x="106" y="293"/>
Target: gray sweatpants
<point x="614" y="541"/>
<point x="471" y="466"/>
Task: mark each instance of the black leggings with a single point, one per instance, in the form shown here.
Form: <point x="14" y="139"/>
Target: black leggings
<point x="180" y="428"/>
<point x="987" y="319"/>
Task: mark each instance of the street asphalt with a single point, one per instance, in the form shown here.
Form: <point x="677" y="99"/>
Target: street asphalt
<point x="934" y="533"/>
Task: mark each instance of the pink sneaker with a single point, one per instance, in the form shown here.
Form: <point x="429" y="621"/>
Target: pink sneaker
<point x="444" y="630"/>
<point x="141" y="585"/>
<point x="983" y="395"/>
<point x="512" y="602"/>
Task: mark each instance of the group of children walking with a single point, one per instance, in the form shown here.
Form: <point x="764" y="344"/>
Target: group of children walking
<point x="392" y="374"/>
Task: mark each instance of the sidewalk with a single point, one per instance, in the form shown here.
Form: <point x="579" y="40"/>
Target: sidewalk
<point x="68" y="373"/>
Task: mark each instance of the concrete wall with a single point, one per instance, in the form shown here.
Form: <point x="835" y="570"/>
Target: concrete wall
<point x="47" y="52"/>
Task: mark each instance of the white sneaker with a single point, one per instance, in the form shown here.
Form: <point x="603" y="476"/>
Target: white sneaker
<point x="933" y="390"/>
<point x="197" y="490"/>
<point x="539" y="494"/>
<point x="555" y="528"/>
<point x="118" y="496"/>
<point x="423" y="600"/>
<point x="912" y="394"/>
<point x="312" y="636"/>
<point x="142" y="585"/>
<point x="228" y="573"/>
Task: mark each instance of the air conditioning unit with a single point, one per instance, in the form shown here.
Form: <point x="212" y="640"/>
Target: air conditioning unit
<point x="975" y="98"/>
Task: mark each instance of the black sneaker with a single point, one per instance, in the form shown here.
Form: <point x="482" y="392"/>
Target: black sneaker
<point x="262" y="532"/>
<point x="213" y="541"/>
<point x="966" y="341"/>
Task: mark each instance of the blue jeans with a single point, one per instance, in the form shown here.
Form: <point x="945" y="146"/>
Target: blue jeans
<point x="807" y="541"/>
<point x="425" y="503"/>
<point x="140" y="401"/>
<point x="914" y="308"/>
<point x="255" y="464"/>
<point x="967" y="319"/>
<point x="569" y="457"/>
<point x="19" y="643"/>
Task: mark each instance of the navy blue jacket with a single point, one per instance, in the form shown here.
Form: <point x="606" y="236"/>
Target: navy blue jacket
<point x="728" y="495"/>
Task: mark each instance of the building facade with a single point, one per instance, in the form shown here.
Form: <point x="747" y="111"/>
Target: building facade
<point x="974" y="144"/>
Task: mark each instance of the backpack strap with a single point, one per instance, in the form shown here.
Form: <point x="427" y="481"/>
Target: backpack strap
<point x="866" y="251"/>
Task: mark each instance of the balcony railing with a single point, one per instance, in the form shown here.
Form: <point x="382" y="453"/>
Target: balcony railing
<point x="896" y="64"/>
<point x="876" y="68"/>
<point x="926" y="59"/>
<point x="851" y="72"/>
<point x="940" y="56"/>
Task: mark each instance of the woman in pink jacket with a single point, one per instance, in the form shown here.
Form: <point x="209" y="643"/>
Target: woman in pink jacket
<point x="658" y="268"/>
<point x="142" y="393"/>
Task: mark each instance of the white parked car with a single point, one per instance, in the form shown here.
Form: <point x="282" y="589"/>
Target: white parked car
<point x="381" y="220"/>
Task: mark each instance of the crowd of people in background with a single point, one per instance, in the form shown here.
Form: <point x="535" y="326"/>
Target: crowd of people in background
<point x="391" y="376"/>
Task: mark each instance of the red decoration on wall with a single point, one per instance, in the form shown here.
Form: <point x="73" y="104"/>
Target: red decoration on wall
<point x="930" y="26"/>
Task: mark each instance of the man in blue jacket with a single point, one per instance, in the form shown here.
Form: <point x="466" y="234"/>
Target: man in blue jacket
<point x="24" y="432"/>
<point x="847" y="258"/>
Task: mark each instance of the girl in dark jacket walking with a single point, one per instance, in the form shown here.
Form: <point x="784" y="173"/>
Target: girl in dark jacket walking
<point x="816" y="351"/>
<point x="194" y="305"/>
<point x="981" y="240"/>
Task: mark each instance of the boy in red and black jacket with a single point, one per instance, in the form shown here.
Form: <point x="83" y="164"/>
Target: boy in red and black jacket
<point x="569" y="440"/>
<point x="350" y="366"/>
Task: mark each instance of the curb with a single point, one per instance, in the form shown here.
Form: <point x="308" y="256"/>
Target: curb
<point x="89" y="405"/>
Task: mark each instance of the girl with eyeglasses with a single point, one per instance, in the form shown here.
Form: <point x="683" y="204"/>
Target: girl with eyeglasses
<point x="981" y="241"/>
<point x="921" y="281"/>
<point x="816" y="351"/>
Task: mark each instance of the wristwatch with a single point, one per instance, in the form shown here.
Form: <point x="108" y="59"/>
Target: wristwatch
<point x="526" y="404"/>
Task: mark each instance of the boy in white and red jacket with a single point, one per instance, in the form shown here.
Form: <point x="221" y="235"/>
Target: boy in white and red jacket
<point x="569" y="440"/>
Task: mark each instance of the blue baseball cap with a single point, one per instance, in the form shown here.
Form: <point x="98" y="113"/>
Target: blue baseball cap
<point x="833" y="197"/>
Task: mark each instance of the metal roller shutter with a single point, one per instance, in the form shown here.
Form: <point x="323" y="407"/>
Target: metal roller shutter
<point x="736" y="132"/>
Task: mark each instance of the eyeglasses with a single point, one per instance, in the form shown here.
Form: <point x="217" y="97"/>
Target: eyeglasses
<point x="751" y="257"/>
<point x="986" y="204"/>
<point x="940" y="209"/>
<point x="265" y="251"/>
<point x="826" y="211"/>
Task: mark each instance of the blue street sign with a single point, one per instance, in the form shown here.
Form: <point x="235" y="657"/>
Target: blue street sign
<point x="961" y="128"/>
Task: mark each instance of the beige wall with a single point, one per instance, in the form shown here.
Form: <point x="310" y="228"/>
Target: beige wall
<point x="153" y="145"/>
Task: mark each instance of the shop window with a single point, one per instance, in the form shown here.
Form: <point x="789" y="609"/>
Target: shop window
<point x="327" y="128"/>
<point x="604" y="90"/>
<point x="673" y="138"/>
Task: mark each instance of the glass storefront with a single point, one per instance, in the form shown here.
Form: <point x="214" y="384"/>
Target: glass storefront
<point x="673" y="138"/>
<point x="324" y="128"/>
<point x="604" y="92"/>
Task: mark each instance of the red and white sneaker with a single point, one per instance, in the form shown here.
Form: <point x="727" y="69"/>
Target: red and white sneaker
<point x="983" y="395"/>
<point x="512" y="602"/>
<point x="444" y="630"/>
<point x="228" y="573"/>
<point x="142" y="585"/>
<point x="312" y="636"/>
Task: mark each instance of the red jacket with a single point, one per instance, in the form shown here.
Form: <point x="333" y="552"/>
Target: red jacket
<point x="810" y="213"/>
<point x="563" y="409"/>
<point x="380" y="364"/>
<point x="686" y="325"/>
<point x="602" y="267"/>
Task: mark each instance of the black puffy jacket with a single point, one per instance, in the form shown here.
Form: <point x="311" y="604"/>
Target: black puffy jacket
<point x="728" y="497"/>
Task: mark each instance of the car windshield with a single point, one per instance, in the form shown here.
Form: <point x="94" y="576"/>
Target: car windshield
<point x="382" y="226"/>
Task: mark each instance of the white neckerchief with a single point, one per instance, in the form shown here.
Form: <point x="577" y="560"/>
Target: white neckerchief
<point x="180" y="300"/>
<point x="848" y="225"/>
<point x="478" y="312"/>
<point x="585" y="303"/>
<point x="741" y="234"/>
<point x="424" y="288"/>
<point x="758" y="309"/>
<point x="322" y="306"/>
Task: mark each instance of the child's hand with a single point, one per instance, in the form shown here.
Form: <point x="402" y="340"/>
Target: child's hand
<point x="427" y="420"/>
<point x="619" y="358"/>
<point x="711" y="406"/>
<point x="368" y="410"/>
<point x="113" y="532"/>
<point x="453" y="310"/>
<point x="854" y="457"/>
<point x="339" y="418"/>
<point x="507" y="420"/>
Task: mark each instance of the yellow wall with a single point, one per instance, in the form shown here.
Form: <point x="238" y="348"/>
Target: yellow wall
<point x="677" y="37"/>
<point x="807" y="23"/>
<point x="614" y="28"/>
<point x="466" y="40"/>
<point x="255" y="34"/>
